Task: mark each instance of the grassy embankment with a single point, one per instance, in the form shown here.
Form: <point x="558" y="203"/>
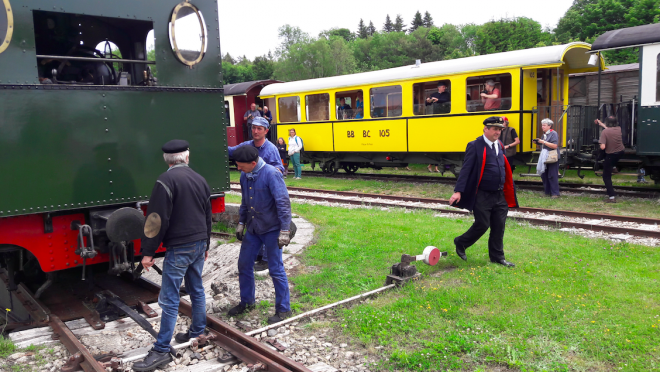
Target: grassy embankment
<point x="591" y="203"/>
<point x="571" y="303"/>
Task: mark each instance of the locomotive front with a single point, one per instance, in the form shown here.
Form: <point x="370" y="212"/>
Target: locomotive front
<point x="89" y="91"/>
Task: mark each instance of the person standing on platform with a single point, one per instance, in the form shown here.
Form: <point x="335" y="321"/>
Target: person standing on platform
<point x="485" y="187"/>
<point x="179" y="217"/>
<point x="268" y="115"/>
<point x="250" y="115"/>
<point x="549" y="171"/>
<point x="510" y="140"/>
<point x="295" y="147"/>
<point x="264" y="219"/>
<point x="281" y="147"/>
<point x="612" y="143"/>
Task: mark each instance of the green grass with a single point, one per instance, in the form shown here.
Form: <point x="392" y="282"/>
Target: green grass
<point x="7" y="347"/>
<point x="591" y="203"/>
<point x="223" y="227"/>
<point x="571" y="303"/>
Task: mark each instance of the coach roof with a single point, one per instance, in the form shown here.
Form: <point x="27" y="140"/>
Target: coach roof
<point x="575" y="55"/>
<point x="628" y="37"/>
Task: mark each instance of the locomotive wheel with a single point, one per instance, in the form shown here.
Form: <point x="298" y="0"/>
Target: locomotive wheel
<point x="351" y="168"/>
<point x="324" y="167"/>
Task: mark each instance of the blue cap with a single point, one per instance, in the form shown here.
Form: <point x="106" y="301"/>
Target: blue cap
<point x="261" y="122"/>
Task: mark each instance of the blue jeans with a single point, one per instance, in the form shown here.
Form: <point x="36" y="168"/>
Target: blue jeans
<point x="249" y="250"/>
<point x="185" y="260"/>
<point x="297" y="168"/>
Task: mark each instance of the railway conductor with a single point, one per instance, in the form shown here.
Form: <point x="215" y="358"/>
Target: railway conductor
<point x="264" y="219"/>
<point x="485" y="187"/>
<point x="179" y="217"/>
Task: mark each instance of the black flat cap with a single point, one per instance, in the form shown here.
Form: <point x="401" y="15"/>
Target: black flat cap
<point x="494" y="121"/>
<point x="176" y="146"/>
<point x="246" y="154"/>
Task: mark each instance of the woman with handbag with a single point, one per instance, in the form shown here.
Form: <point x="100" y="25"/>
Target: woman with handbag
<point x="548" y="165"/>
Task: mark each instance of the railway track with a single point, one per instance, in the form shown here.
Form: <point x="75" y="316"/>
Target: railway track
<point x="630" y="191"/>
<point x="249" y="350"/>
<point x="612" y="224"/>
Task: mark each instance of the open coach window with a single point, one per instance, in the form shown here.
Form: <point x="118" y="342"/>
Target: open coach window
<point x="289" y="108"/>
<point x="489" y="93"/>
<point x="386" y="101"/>
<point x="317" y="106"/>
<point x="349" y="105"/>
<point x="89" y="50"/>
<point x="432" y="97"/>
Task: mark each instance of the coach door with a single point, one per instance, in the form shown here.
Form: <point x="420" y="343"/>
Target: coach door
<point x="551" y="100"/>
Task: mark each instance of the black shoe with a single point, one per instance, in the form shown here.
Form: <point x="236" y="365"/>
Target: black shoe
<point x="182" y="337"/>
<point x="240" y="309"/>
<point x="153" y="360"/>
<point x="261" y="266"/>
<point x="278" y="317"/>
<point x="504" y="263"/>
<point x="460" y="251"/>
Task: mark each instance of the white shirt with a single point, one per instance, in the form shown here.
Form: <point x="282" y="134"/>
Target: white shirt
<point x="490" y="143"/>
<point x="295" y="144"/>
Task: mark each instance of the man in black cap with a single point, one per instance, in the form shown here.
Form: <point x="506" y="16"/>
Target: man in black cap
<point x="264" y="219"/>
<point x="485" y="186"/>
<point x="179" y="217"/>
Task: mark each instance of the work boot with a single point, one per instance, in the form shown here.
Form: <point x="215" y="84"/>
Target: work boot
<point x="261" y="266"/>
<point x="278" y="317"/>
<point x="153" y="360"/>
<point x="460" y="250"/>
<point x="182" y="337"/>
<point x="240" y="309"/>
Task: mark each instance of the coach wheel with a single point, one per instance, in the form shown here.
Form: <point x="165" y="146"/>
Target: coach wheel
<point x="351" y="168"/>
<point x="331" y="167"/>
<point x="324" y="168"/>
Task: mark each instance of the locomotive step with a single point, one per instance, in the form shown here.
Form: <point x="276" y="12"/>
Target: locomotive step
<point x="600" y="173"/>
<point x="529" y="175"/>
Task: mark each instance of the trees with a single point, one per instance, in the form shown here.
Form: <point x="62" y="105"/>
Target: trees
<point x="371" y="29"/>
<point x="427" y="21"/>
<point x="416" y="22"/>
<point x="585" y="20"/>
<point x="343" y="33"/>
<point x="399" y="26"/>
<point x="450" y="41"/>
<point x="388" y="26"/>
<point x="508" y="34"/>
<point x="263" y="68"/>
<point x="362" y="32"/>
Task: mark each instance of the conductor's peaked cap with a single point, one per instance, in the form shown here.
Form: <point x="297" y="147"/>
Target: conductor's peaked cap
<point x="494" y="121"/>
<point x="176" y="146"/>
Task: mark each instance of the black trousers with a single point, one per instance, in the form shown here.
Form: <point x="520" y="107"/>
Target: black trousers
<point x="490" y="211"/>
<point x="608" y="164"/>
<point x="550" y="179"/>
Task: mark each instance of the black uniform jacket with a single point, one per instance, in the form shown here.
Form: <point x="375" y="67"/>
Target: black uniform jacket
<point x="472" y="171"/>
<point x="182" y="200"/>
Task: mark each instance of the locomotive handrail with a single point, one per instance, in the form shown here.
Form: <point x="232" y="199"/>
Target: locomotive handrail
<point x="92" y="59"/>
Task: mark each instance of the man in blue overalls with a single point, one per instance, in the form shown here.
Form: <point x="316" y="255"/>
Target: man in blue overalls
<point x="264" y="219"/>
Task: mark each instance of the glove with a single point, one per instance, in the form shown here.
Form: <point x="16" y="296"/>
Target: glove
<point x="284" y="239"/>
<point x="240" y="232"/>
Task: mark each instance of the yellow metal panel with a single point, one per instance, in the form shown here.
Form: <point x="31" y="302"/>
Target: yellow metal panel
<point x="370" y="136"/>
<point x="449" y="134"/>
<point x="529" y="102"/>
<point x="528" y="133"/>
<point x="316" y="137"/>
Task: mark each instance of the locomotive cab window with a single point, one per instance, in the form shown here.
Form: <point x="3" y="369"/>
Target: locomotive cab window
<point x="432" y="97"/>
<point x="6" y="25"/>
<point x="385" y="101"/>
<point x="317" y="107"/>
<point x="289" y="109"/>
<point x="349" y="105"/>
<point x="89" y="50"/>
<point x="489" y="93"/>
<point x="188" y="34"/>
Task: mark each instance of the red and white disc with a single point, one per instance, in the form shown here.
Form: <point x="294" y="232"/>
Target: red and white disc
<point x="431" y="255"/>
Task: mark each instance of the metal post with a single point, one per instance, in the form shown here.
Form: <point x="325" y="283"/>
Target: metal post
<point x="600" y="69"/>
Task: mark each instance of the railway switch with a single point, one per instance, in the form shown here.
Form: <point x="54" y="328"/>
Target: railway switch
<point x="403" y="272"/>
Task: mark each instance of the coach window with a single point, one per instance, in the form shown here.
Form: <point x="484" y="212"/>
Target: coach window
<point x="432" y="97"/>
<point x="6" y="25"/>
<point x="657" y="80"/>
<point x="317" y="107"/>
<point x="385" y="101"/>
<point x="188" y="34"/>
<point x="289" y="108"/>
<point x="349" y="104"/>
<point x="489" y="93"/>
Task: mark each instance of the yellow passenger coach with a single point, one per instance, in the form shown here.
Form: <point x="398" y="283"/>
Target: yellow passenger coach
<point x="387" y="118"/>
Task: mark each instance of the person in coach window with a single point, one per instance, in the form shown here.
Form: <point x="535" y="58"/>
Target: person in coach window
<point x="485" y="187"/>
<point x="179" y="216"/>
<point x="264" y="219"/>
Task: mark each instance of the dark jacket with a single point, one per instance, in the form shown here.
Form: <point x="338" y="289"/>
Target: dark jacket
<point x="472" y="171"/>
<point x="182" y="200"/>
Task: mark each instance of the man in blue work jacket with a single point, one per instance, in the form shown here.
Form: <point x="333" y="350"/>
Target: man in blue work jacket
<point x="264" y="219"/>
<point x="269" y="153"/>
